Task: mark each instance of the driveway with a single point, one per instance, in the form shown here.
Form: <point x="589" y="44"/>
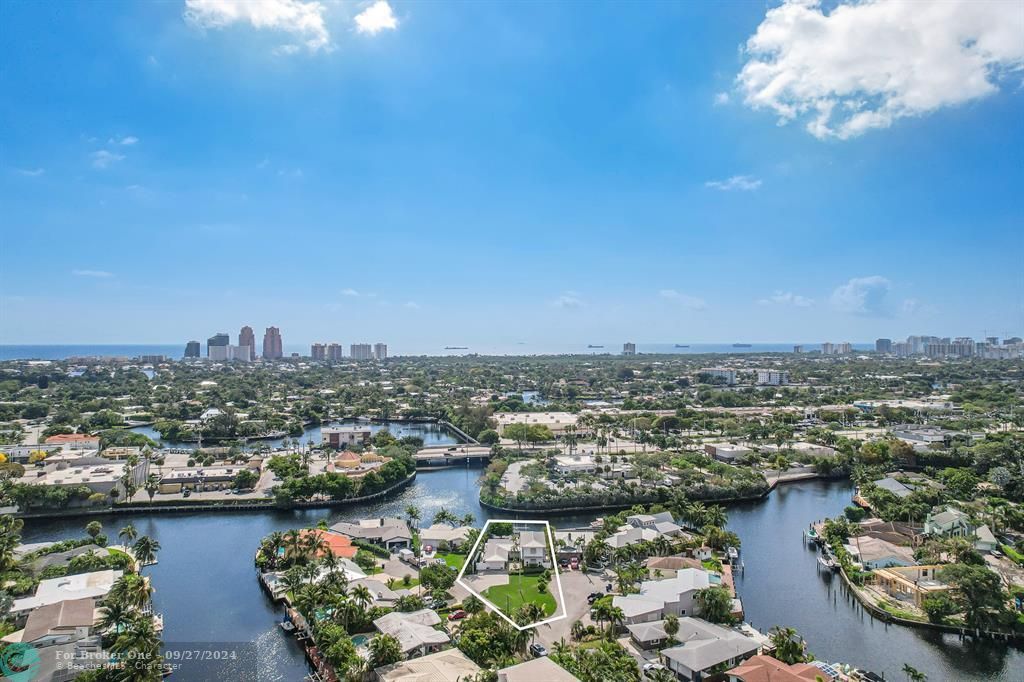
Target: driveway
<point x="481" y="582"/>
<point x="576" y="585"/>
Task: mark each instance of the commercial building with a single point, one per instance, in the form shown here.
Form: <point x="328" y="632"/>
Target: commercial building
<point x="207" y="478"/>
<point x="273" y="349"/>
<point x="228" y="353"/>
<point x="557" y="422"/>
<point x="192" y="349"/>
<point x="629" y="349"/>
<point x="344" y="436"/>
<point x="217" y="341"/>
<point x="247" y="339"/>
<point x="883" y="346"/>
<point x="772" y="377"/>
<point x="380" y="351"/>
<point x="722" y="375"/>
<point x="726" y="452"/>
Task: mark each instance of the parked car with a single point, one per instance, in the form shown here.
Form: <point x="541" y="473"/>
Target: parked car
<point x="593" y="597"/>
<point x="574" y="564"/>
<point x="538" y="650"/>
<point x="564" y="563"/>
<point x="651" y="668"/>
<point x="186" y="493"/>
<point x="457" y="615"/>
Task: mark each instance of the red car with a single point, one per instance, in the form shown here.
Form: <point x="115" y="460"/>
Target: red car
<point x="457" y="615"/>
<point x="574" y="563"/>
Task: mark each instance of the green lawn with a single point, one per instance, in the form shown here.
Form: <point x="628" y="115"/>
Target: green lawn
<point x="521" y="589"/>
<point x="1013" y="554"/>
<point x="454" y="560"/>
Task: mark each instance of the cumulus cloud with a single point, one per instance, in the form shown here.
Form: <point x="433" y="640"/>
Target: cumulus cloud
<point x="864" y="65"/>
<point x="126" y="141"/>
<point x="92" y="273"/>
<point x="303" y="20"/>
<point x="376" y="18"/>
<point x="744" y="183"/>
<point x="568" y="299"/>
<point x="721" y="98"/>
<point x="104" y="159"/>
<point x="862" y="296"/>
<point x="30" y="172"/>
<point x="685" y="300"/>
<point x="788" y="298"/>
<point x="349" y="292"/>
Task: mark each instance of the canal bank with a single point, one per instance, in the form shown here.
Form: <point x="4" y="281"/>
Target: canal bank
<point x="208" y="593"/>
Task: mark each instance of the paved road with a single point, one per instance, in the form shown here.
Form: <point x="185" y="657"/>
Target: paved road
<point x="576" y="585"/>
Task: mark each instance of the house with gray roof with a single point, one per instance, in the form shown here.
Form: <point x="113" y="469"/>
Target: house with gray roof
<point x="414" y="631"/>
<point x="658" y="598"/>
<point x="893" y="486"/>
<point x="389" y="532"/>
<point x="703" y="647"/>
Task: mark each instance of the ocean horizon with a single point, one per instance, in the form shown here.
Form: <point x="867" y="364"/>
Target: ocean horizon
<point x="176" y="351"/>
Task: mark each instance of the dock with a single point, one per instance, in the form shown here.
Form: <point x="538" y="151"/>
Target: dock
<point x="448" y="455"/>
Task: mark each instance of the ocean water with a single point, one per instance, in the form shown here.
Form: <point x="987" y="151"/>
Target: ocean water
<point x="61" y="352"/>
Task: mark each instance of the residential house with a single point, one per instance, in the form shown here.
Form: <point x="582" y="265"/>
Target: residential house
<point x="893" y="486"/>
<point x="630" y="535"/>
<point x="648" y="636"/>
<point x="703" y="647"/>
<point x="440" y="533"/>
<point x="570" y="543"/>
<point x="449" y="665"/>
<point x="60" y="622"/>
<point x="873" y="553"/>
<point x="985" y="539"/>
<point x="387" y="531"/>
<point x="95" y="585"/>
<point x="909" y="583"/>
<point x="658" y="598"/>
<point x="338" y="545"/>
<point x="342" y="436"/>
<point x="669" y="566"/>
<point x="950" y="523"/>
<point x="662" y="522"/>
<point x="414" y="631"/>
<point x="528" y="547"/>
<point x="763" y="668"/>
<point x="541" y="669"/>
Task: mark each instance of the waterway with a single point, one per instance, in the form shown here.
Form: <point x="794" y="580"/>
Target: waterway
<point x="207" y="590"/>
<point x="431" y="433"/>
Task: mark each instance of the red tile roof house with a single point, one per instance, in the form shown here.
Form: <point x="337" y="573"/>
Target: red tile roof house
<point x="339" y="544"/>
<point x="76" y="441"/>
<point x="768" y="669"/>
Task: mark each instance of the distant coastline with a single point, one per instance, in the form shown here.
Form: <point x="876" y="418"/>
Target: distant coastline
<point x="175" y="351"/>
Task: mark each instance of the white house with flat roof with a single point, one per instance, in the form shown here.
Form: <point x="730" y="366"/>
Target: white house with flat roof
<point x="658" y="598"/>
<point x="95" y="585"/>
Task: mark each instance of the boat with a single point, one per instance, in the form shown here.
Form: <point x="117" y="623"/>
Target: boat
<point x="591" y="345"/>
<point x="681" y="345"/>
<point x="828" y="562"/>
<point x="456" y="347"/>
<point x="741" y="345"/>
<point x="287" y="626"/>
<point x="733" y="554"/>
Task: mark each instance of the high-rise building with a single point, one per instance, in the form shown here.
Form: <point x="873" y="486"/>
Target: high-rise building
<point x="272" y="346"/>
<point x="246" y="337"/>
<point x="844" y="348"/>
<point x="334" y="352"/>
<point x="192" y="349"/>
<point x="827" y="348"/>
<point x="217" y="341"/>
<point x="798" y="349"/>
<point x="772" y="377"/>
<point x="361" y="351"/>
<point x="380" y="351"/>
<point x="883" y="346"/>
<point x="722" y="375"/>
<point x="318" y="351"/>
<point x="629" y="348"/>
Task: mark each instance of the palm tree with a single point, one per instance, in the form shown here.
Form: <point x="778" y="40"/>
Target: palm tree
<point x="472" y="605"/>
<point x="132" y="589"/>
<point x="671" y="626"/>
<point x="145" y="549"/>
<point x="913" y="674"/>
<point x="115" y="614"/>
<point x="578" y="630"/>
<point x="412" y="514"/>
<point x="716" y="516"/>
<point x="468" y="519"/>
<point x="362" y="595"/>
<point x="128" y="534"/>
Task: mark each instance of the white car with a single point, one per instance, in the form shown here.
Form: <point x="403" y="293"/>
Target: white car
<point x="651" y="668"/>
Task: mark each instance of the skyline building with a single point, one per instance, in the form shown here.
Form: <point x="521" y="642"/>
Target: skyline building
<point x="318" y="351"/>
<point x="629" y="348"/>
<point x="193" y="349"/>
<point x="361" y="351"/>
<point x="217" y="341"/>
<point x="273" y="349"/>
<point x="246" y="337"/>
<point x="380" y="351"/>
<point x="334" y="352"/>
<point x="883" y="346"/>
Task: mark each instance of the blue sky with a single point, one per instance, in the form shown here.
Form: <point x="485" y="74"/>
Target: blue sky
<point x="544" y="172"/>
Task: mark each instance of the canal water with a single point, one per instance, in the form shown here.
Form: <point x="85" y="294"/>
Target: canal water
<point x="431" y="433"/>
<point x="206" y="586"/>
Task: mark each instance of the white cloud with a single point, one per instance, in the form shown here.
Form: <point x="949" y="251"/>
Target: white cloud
<point x="290" y="173"/>
<point x="865" y="65"/>
<point x="104" y="159"/>
<point x="568" y="299"/>
<point x="788" y="298"/>
<point x="127" y="140"/>
<point x="411" y="304"/>
<point x="303" y="20"/>
<point x="376" y="18"/>
<point x="687" y="301"/>
<point x="745" y="183"/>
<point x="30" y="172"/>
<point x="349" y="292"/>
<point x="92" y="273"/>
<point x="862" y="296"/>
<point x="721" y="99"/>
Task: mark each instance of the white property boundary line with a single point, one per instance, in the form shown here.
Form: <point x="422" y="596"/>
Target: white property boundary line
<point x="554" y="566"/>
